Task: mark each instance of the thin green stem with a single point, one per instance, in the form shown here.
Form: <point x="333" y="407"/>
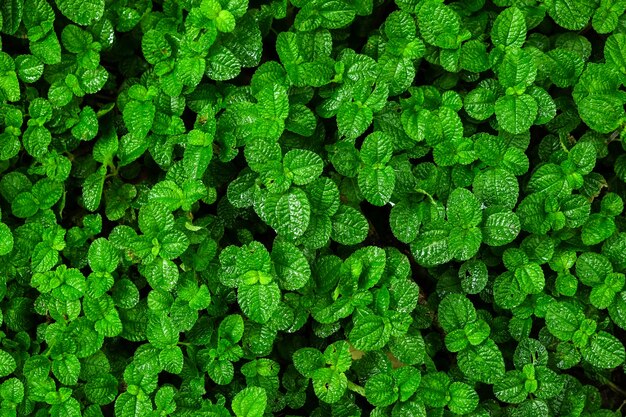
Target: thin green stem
<point x="616" y="389"/>
<point x="562" y="144"/>
<point x="430" y="197"/>
<point x="356" y="388"/>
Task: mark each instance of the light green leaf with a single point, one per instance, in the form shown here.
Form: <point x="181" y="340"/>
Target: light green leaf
<point x="302" y="166"/>
<point x="509" y="28"/>
<point x="370" y="332"/>
<point x="483" y="363"/>
<point x="463" y="209"/>
<point x="81" y="12"/>
<point x="349" y="226"/>
<point x="250" y="402"/>
<point x="516" y="114"/>
<point x="329" y="385"/>
<point x="353" y="120"/>
<point x="431" y="248"/>
<point x="463" y="398"/>
<point x="102" y="256"/>
<point x="259" y="301"/>
<point x="604" y="351"/>
<point x="380" y="390"/>
<point x="455" y="311"/>
<point x="292" y="213"/>
<point x="377" y="185"/>
<point x="292" y="268"/>
<point x="6" y="240"/>
<point x="7" y="364"/>
<point x="563" y="319"/>
<point x="511" y="389"/>
<point x="66" y="369"/>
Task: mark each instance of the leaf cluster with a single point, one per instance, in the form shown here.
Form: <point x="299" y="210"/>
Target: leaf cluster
<point x="408" y="208"/>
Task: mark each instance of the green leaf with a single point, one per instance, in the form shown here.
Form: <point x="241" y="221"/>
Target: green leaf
<point x="81" y="12"/>
<point x="500" y="228"/>
<point x="509" y="28"/>
<point x="36" y="140"/>
<point x="474" y="276"/>
<point x="516" y="71"/>
<point x="376" y="149"/>
<point x="353" y="120"/>
<point x="12" y="12"/>
<point x="604" y="351"/>
<point x="9" y="85"/>
<point x="379" y="391"/>
<point x="597" y="229"/>
<point x="431" y="248"/>
<point x="463" y="398"/>
<point x="370" y="332"/>
<point x="463" y="209"/>
<point x="516" y="114"/>
<point x="455" y="311"/>
<point x="7" y="364"/>
<point x="154" y="218"/>
<point x="405" y="219"/>
<point x="604" y="120"/>
<point x="433" y="389"/>
<point x="480" y="103"/>
<point x="496" y="187"/>
<point x="617" y="310"/>
<point x="250" y="402"/>
<point x="292" y="268"/>
<point x="349" y="226"/>
<point x="329" y="385"/>
<point x="161" y="331"/>
<point x="292" y="214"/>
<point x="377" y="185"/>
<point x="161" y="274"/>
<point x="302" y="166"/>
<point x="441" y="31"/>
<point x="128" y="405"/>
<point x="259" y="301"/>
<point x="6" y="240"/>
<point x="530" y="278"/>
<point x="102" y="256"/>
<point x="571" y="14"/>
<point x="12" y="390"/>
<point x="483" y="363"/>
<point x="511" y="388"/>
<point x="563" y="319"/>
<point x="139" y="117"/>
<point x="615" y="51"/>
<point x="104" y="315"/>
<point x="66" y="369"/>
<point x="168" y="194"/>
<point x="308" y="360"/>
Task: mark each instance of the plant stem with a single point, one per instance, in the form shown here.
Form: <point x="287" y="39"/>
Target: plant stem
<point x="356" y="388"/>
<point x="616" y="389"/>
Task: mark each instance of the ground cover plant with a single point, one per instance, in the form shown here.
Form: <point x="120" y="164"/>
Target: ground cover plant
<point x="312" y="208"/>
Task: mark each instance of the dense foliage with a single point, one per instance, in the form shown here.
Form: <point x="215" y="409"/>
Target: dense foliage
<point x="312" y="208"/>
